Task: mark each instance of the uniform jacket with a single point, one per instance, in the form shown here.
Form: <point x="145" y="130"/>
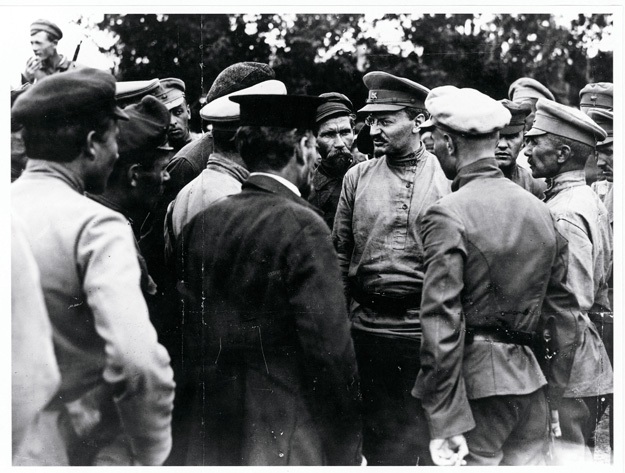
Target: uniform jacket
<point x="280" y="379"/>
<point x="375" y="230"/>
<point x="523" y="177"/>
<point x="106" y="347"/>
<point x="492" y="252"/>
<point x="48" y="69"/>
<point x="584" y="222"/>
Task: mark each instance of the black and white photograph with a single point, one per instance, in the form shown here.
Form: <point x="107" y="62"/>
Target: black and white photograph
<point x="346" y="235"/>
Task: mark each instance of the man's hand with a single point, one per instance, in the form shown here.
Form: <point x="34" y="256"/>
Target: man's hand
<point x="450" y="451"/>
<point x="32" y="66"/>
<point x="554" y="424"/>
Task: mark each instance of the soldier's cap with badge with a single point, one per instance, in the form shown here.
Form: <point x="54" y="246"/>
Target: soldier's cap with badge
<point x="285" y="111"/>
<point x="596" y="95"/>
<point x="605" y="119"/>
<point x="528" y="88"/>
<point x="389" y="93"/>
<point x="47" y="26"/>
<point x="71" y="95"/>
<point x="568" y="122"/>
<point x="464" y="111"/>
<point x="248" y="78"/>
<point x="336" y="105"/>
<point x="173" y="92"/>
<point x="132" y="91"/>
<point x="145" y="130"/>
<point x="519" y="112"/>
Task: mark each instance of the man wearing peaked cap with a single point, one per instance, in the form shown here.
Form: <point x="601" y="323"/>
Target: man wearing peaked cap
<point x="174" y="99"/>
<point x="44" y="38"/>
<point x="334" y="130"/>
<point x="559" y="144"/>
<point x="103" y="338"/>
<point x="266" y="252"/>
<point x="132" y="91"/>
<point x="509" y="146"/>
<point x="529" y="90"/>
<point x="381" y="259"/>
<point x="596" y="95"/>
<point x="480" y="382"/>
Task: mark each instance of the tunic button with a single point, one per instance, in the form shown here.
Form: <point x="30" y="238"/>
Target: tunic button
<point x="408" y="185"/>
<point x="405" y="207"/>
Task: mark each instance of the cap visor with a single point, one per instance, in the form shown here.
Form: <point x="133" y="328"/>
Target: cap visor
<point x="535" y="132"/>
<point x="174" y="103"/>
<point x="426" y="125"/>
<point x="119" y="113"/>
<point x="381" y="107"/>
<point x="608" y="141"/>
<point x="511" y="130"/>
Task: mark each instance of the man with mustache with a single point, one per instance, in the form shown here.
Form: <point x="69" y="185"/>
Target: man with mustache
<point x="381" y="258"/>
<point x="335" y="137"/>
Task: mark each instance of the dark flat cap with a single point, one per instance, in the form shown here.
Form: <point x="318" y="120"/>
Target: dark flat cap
<point x="596" y="95"/>
<point x="47" y="26"/>
<point x="173" y="94"/>
<point x="561" y="120"/>
<point x="286" y="111"/>
<point x="336" y="105"/>
<point x="145" y="130"/>
<point x="528" y="88"/>
<point x="70" y="95"/>
<point x="605" y="119"/>
<point x="239" y="76"/>
<point x="389" y="93"/>
<point x="519" y="112"/>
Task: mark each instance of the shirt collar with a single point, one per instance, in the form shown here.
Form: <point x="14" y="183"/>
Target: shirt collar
<point x="564" y="181"/>
<point x="486" y="167"/>
<point x="289" y="185"/>
<point x="218" y="162"/>
<point x="410" y="159"/>
<point x="56" y="170"/>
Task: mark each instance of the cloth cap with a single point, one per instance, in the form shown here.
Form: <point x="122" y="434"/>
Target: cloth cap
<point x="73" y="94"/>
<point x="131" y="92"/>
<point x="528" y="88"/>
<point x="224" y="111"/>
<point x="596" y="95"/>
<point x="145" y="130"/>
<point x="389" y="93"/>
<point x="519" y="112"/>
<point x="605" y="119"/>
<point x="287" y="111"/>
<point x="239" y="76"/>
<point x="465" y="111"/>
<point x="568" y="122"/>
<point x="47" y="26"/>
<point x="173" y="92"/>
<point x="336" y="105"/>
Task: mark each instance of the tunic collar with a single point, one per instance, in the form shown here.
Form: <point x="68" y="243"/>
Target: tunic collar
<point x="43" y="167"/>
<point x="564" y="181"/>
<point x="410" y="159"/>
<point x="220" y="163"/>
<point x="483" y="168"/>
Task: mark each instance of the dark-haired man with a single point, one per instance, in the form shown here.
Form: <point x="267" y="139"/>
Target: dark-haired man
<point x="110" y="362"/>
<point x="263" y="298"/>
<point x="381" y="258"/>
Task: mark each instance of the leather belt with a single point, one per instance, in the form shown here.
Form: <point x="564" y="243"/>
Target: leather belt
<point x="499" y="335"/>
<point x="386" y="302"/>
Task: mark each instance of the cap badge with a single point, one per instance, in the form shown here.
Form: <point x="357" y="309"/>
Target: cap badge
<point x="373" y="95"/>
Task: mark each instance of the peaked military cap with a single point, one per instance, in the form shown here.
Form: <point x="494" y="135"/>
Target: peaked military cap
<point x="47" y="26"/>
<point x="286" y="111"/>
<point x="173" y="92"/>
<point x="131" y="92"/>
<point x="71" y="95"/>
<point x="528" y="88"/>
<point x="389" y="93"/>
<point x="519" y="112"/>
<point x="596" y="95"/>
<point x="568" y="122"/>
<point x="465" y="111"/>
<point x="605" y="119"/>
<point x="145" y="130"/>
<point x="336" y="105"/>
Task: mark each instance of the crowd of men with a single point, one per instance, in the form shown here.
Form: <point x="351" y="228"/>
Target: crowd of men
<point x="284" y="290"/>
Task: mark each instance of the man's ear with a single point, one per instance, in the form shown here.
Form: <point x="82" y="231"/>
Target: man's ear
<point x="449" y="143"/>
<point x="300" y="154"/>
<point x="564" y="154"/>
<point x="132" y="175"/>
<point x="92" y="145"/>
<point x="419" y="119"/>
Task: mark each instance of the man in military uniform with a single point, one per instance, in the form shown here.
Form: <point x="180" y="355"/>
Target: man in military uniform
<point x="116" y="395"/>
<point x="335" y="137"/>
<point x="264" y="303"/>
<point x="175" y="100"/>
<point x="558" y="145"/>
<point x="492" y="251"/>
<point x="44" y="38"/>
<point x="381" y="258"/>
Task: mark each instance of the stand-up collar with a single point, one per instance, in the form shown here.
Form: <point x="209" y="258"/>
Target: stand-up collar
<point x="563" y="181"/>
<point x="483" y="168"/>
<point x="410" y="159"/>
<point x="43" y="167"/>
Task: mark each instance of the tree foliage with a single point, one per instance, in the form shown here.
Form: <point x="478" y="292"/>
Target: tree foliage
<point x="316" y="53"/>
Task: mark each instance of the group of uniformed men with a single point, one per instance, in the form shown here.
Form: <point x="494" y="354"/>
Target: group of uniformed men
<point x="318" y="299"/>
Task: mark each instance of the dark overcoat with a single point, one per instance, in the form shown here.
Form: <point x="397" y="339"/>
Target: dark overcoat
<point x="268" y="331"/>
